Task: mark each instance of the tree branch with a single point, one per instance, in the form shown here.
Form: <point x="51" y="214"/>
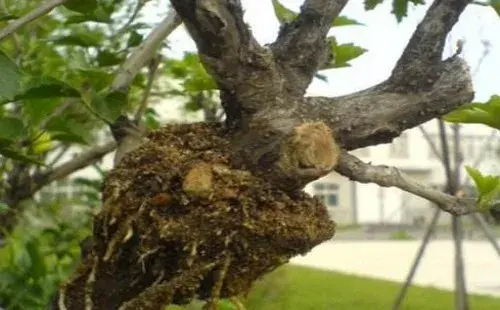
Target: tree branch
<point x="145" y="52"/>
<point x="379" y="114"/>
<point x="152" y="70"/>
<point x="386" y="176"/>
<point x="301" y="46"/>
<point x="33" y="184"/>
<point x="128" y="134"/>
<point x="431" y="144"/>
<point x="36" y="13"/>
<point x="80" y="161"/>
<point x="419" y="65"/>
<point x="246" y="73"/>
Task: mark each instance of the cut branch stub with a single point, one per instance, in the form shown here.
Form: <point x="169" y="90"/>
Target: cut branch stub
<point x="286" y="154"/>
<point x="177" y="213"/>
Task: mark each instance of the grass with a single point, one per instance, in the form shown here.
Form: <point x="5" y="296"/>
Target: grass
<point x="300" y="288"/>
<point x="400" y="234"/>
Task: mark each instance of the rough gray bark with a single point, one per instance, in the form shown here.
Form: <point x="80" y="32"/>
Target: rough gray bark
<point x="275" y="134"/>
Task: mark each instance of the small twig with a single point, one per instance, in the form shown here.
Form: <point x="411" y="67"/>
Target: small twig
<point x="81" y="161"/>
<point x="139" y="5"/>
<point x="152" y="70"/>
<point x="61" y="153"/>
<point x="36" y="13"/>
<point x="446" y="157"/>
<point x="385" y="176"/>
<point x="430" y="142"/>
<point x="486" y="52"/>
<point x="237" y="303"/>
<point x="145" y="51"/>
<point x="15" y="38"/>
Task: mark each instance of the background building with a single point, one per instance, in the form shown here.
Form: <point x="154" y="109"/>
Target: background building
<point x="355" y="203"/>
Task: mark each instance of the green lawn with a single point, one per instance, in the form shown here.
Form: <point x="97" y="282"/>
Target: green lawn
<point x="300" y="288"/>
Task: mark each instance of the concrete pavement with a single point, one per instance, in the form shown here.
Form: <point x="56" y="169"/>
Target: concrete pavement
<point x="391" y="260"/>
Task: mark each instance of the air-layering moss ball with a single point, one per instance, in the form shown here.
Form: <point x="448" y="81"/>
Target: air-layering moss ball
<point x="176" y="207"/>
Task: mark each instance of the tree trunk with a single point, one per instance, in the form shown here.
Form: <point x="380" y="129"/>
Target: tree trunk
<point x="203" y="210"/>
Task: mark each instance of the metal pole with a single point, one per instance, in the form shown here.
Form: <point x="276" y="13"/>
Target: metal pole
<point x="487" y="232"/>
<point x="461" y="298"/>
<point x="418" y="258"/>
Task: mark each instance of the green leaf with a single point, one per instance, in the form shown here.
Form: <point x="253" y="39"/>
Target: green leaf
<point x="99" y="16"/>
<point x="283" y="14"/>
<point x="107" y="58"/>
<point x="343" y="53"/>
<point x="371" y="4"/>
<point x="11" y="128"/>
<point x="495" y="4"/>
<point x="151" y="119"/>
<point x="199" y="83"/>
<point x="35" y="110"/>
<point x="400" y="8"/>
<point x="3" y="207"/>
<point x="225" y="304"/>
<point x="6" y="17"/>
<point x="5" y="142"/>
<point x="78" y="39"/>
<point x="12" y="153"/>
<point x="110" y="105"/>
<point x="478" y="113"/>
<point x="47" y="87"/>
<point x="194" y="76"/>
<point x="134" y="39"/>
<point x="97" y="78"/>
<point x="77" y="19"/>
<point x="10" y="77"/>
<point x="66" y="130"/>
<point x="81" y="6"/>
<point x="38" y="268"/>
<point x="488" y="187"/>
<point x="345" y="21"/>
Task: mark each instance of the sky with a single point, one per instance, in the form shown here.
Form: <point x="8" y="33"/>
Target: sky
<point x="382" y="36"/>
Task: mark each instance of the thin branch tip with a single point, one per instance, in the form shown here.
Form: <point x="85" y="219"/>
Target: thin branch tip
<point x="386" y="176"/>
<point x="38" y="12"/>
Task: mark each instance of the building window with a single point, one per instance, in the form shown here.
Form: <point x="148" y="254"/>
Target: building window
<point x="327" y="192"/>
<point x="399" y="147"/>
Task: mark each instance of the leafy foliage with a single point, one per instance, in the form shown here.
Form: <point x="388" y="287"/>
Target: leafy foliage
<point x="478" y="113"/>
<point x="44" y="249"/>
<point x="55" y="95"/>
<point x="343" y="53"/>
<point x="495" y="4"/>
<point x="488" y="114"/>
<point x="285" y="15"/>
<point x="64" y="63"/>
<point x="195" y="85"/>
<point x="9" y="77"/>
<point x="399" y="7"/>
<point x="488" y="187"/>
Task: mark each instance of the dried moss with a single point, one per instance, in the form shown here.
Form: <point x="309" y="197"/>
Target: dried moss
<point x="180" y="221"/>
